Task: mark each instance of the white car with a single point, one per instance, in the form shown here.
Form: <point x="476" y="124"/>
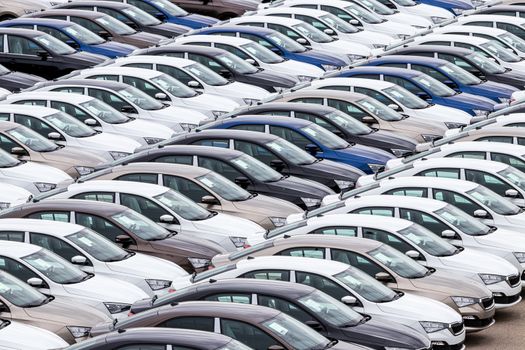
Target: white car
<point x="397" y="98"/>
<point x="4" y="92"/>
<point x="19" y="336"/>
<point x="102" y="117"/>
<point x="131" y="102"/>
<point x="332" y="25"/>
<point x="501" y="277"/>
<point x="11" y="195"/>
<point x="51" y="274"/>
<point x="256" y="54"/>
<point x="65" y="130"/>
<point x="171" y="209"/>
<point x="357" y="16"/>
<point x="433" y="13"/>
<point x="509" y="120"/>
<point x="157" y="80"/>
<point x="93" y="253"/>
<point x="354" y="288"/>
<point x="307" y="35"/>
<point x="511" y="24"/>
<point x="228" y="94"/>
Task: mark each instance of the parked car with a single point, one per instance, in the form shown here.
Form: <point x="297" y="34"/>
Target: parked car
<point x="509" y="23"/>
<point x="15" y="81"/>
<point x="491" y="134"/>
<point x="21" y="7"/>
<point x="222" y="9"/>
<point x="456" y="7"/>
<point x="127" y="228"/>
<point x="20" y="336"/>
<point x="425" y="9"/>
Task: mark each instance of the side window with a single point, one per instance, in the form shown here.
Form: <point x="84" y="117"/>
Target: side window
<point x="424" y="220"/>
<point x="387" y="238"/>
<point x="253" y="24"/>
<point x="367" y="76"/>
<point x="22" y="46"/>
<point x="115" y="14"/>
<point x="502" y="139"/>
<point x="70" y="90"/>
<point x="233" y="50"/>
<point x="62" y="216"/>
<point x="231" y="298"/>
<point x="186" y="187"/>
<point x="143" y="206"/>
<point x="374" y="94"/>
<point x="16" y="269"/>
<point x="284" y="306"/>
<point x="174" y="54"/>
<point x="318" y="101"/>
<point x="139" y="65"/>
<point x="357" y="260"/>
<point x="345" y="16"/>
<point x="431" y="71"/>
<point x="55" y="33"/>
<point x="14" y="236"/>
<point x="319" y="121"/>
<point x="35" y="124"/>
<point x="508" y="159"/>
<point x="4" y="116"/>
<point x="456" y="199"/>
<point x="138" y="177"/>
<point x="55" y="245"/>
<point x="375" y="211"/>
<point x="222" y="143"/>
<point x="88" y="24"/>
<point x="413" y="192"/>
<point x="322" y="283"/>
<point x="7" y="144"/>
<point x="144" y="6"/>
<point x="42" y="103"/>
<point x="290" y="135"/>
<point x="220" y="167"/>
<point x="108" y="97"/>
<point x="70" y="109"/>
<point x="142" y="85"/>
<point x="347" y="231"/>
<point x="99" y="225"/>
<point x="208" y="62"/>
<point x="468" y="155"/>
<point x="273" y="275"/>
<point x="96" y="196"/>
<point x="248" y="334"/>
<point x="188" y="160"/>
<point x="481" y="24"/>
<point x="292" y="34"/>
<point x="488" y="180"/>
<point x="104" y="77"/>
<point x="511" y="28"/>
<point x="249" y="127"/>
<point x="459" y="62"/>
<point x="259" y="40"/>
<point x="176" y="73"/>
<point x="190" y="322"/>
<point x="348" y="108"/>
<point x="308" y="252"/>
<point x="405" y="83"/>
<point x="446" y="173"/>
<point x="441" y="43"/>
<point x="255" y="151"/>
<point x="394" y="65"/>
<point x="470" y="47"/>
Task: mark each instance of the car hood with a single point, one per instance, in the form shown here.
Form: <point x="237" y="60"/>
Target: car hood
<point x="267" y="206"/>
<point x="414" y="20"/>
<point x="70" y="155"/>
<point x="511" y="241"/>
<point x="396" y="140"/>
<point x="22" y="79"/>
<point x="369" y="37"/>
<point x="65" y="312"/>
<point x="273" y="78"/>
<point x="501" y="89"/>
<point x="229" y="225"/>
<point x="145" y="128"/>
<point x="322" y="55"/>
<point x="302" y="186"/>
<point x="243" y="90"/>
<point x="106" y="289"/>
<point x="109" y="142"/>
<point x="445" y="283"/>
<point x="366" y="153"/>
<point x="479" y="262"/>
<point x="429" y="11"/>
<point x="14" y="194"/>
<point x="379" y="333"/>
<point x="150" y="38"/>
<point x="473" y="100"/>
<point x="178" y="115"/>
<point x="189" y="246"/>
<point x="341" y="46"/>
<point x="174" y="29"/>
<point x="35" y="172"/>
<point x="420" y="125"/>
<point x="18" y="336"/>
<point x="200" y="18"/>
<point x="396" y="28"/>
<point x="444" y="113"/>
<point x="297" y="68"/>
<point x="86" y="58"/>
<point x="120" y="49"/>
<point x="211" y="102"/>
<point x="146" y="266"/>
<point x="335" y="170"/>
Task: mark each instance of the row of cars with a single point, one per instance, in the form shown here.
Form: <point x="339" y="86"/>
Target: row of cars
<point x="184" y="182"/>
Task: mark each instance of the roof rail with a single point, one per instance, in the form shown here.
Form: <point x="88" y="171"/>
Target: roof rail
<point x="283" y="229"/>
<point x="95" y="174"/>
<point x="359" y="190"/>
<point x="48" y="194"/>
<point x="245" y="252"/>
<point x="207" y="274"/>
<point x="417" y="156"/>
<point x="322" y="210"/>
<point x="393" y="171"/>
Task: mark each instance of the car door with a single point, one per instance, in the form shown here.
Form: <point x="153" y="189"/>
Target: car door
<point x="106" y="228"/>
<point x="148" y="208"/>
<point x="457" y="200"/>
<point x="291" y="309"/>
<point x="8" y="144"/>
<point x="430" y="222"/>
<point x="261" y="153"/>
<point x="22" y="272"/>
<point x="250" y="334"/>
<point x="295" y="138"/>
<point x="22" y="54"/>
<point x="222" y="168"/>
<point x="191" y="189"/>
<point x="39" y="126"/>
<point x="389" y="239"/>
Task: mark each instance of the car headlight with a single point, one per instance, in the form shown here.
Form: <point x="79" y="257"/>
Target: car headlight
<point x="329" y="67"/>
<point x="217" y="114"/>
<point x="4" y="205"/>
<point x="429" y="137"/>
<point x="379" y="46"/>
<point x="480" y="112"/>
<point x="188" y="126"/>
<point x="158" y="284"/>
<point x="117" y="155"/>
<point x="437" y="19"/>
<point x="304" y="78"/>
<point x="44" y="186"/>
<point x="355" y="57"/>
<point x="488" y="278"/>
<point x="115" y="308"/>
<point x="78" y="332"/>
<point x="250" y="101"/>
<point x="399" y="152"/>
<point x="403" y="36"/>
<point x="277" y="221"/>
<point x="503" y="100"/>
<point x="376" y="167"/>
<point x="199" y="263"/>
<point x="451" y="125"/>
<point x="344" y="184"/>
<point x="431" y="327"/>
<point x="238" y="242"/>
<point x="84" y="170"/>
<point x="311" y="202"/>
<point x="519" y="255"/>
<point x="464" y="301"/>
<point x="153" y="140"/>
<point x="458" y="11"/>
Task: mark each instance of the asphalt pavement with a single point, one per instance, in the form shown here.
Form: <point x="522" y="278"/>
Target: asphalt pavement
<point x="507" y="334"/>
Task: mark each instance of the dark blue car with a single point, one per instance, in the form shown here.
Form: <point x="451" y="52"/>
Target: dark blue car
<point x="457" y="7"/>
<point x="313" y="138"/>
<point x="281" y="45"/>
<point x="72" y="34"/>
<point x="167" y="11"/>
<point x="425" y="87"/>
<point x="449" y="74"/>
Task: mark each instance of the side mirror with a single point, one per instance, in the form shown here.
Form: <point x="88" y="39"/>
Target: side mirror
<point x="193" y="84"/>
<point x="161" y="96"/>
<point x="414" y="254"/>
<point x="480" y="213"/>
<point x="127" y="109"/>
<point x="314" y="325"/>
<point x="54" y="136"/>
<point x="104" y="34"/>
<point x="160" y="16"/>
<point x="35" y="282"/>
<point x="277" y="164"/>
<point x="393" y="106"/>
<point x="312" y="149"/>
<point x="242" y="181"/>
<point x="73" y="44"/>
<point x="349" y="300"/>
<point x="167" y="219"/>
<point x="302" y="41"/>
<point x="448" y="234"/>
<point x="90" y="122"/>
<point x="79" y="260"/>
<point x="4" y="307"/>
<point x="18" y="151"/>
<point x="329" y="31"/>
<point x="423" y="95"/>
<point x="43" y="54"/>
<point x="124" y="240"/>
<point x="383" y="277"/>
<point x="511" y="193"/>
<point x="225" y="73"/>
<point x="368" y="120"/>
<point x="209" y="200"/>
<point x="354" y="22"/>
<point x="450" y="84"/>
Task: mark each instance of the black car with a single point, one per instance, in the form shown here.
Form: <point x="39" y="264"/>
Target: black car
<point x="344" y="126"/>
<point x="31" y="51"/>
<point x="316" y="309"/>
<point x="473" y="62"/>
<point x="130" y="15"/>
<point x="16" y="81"/>
<point x="244" y="170"/>
<point x="225" y="64"/>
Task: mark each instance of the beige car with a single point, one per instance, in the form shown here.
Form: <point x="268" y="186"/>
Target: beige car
<point x="470" y="298"/>
<point x="209" y="189"/>
<point x="15" y="8"/>
<point x="27" y="145"/>
<point x="371" y="112"/>
<point x="22" y="303"/>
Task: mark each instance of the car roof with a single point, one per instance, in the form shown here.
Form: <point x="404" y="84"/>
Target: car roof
<point x="69" y="12"/>
<point x="22" y="32"/>
<point x="511" y="7"/>
<point x="459" y="51"/>
<point x="162" y="168"/>
<point x="270" y="120"/>
<point x="222" y="39"/>
<point x="56" y="228"/>
<point x="288" y="22"/>
<point x="69" y="205"/>
<point x="214" y="51"/>
<point x="492" y="17"/>
<point x="475" y="29"/>
<point x="343" y="95"/>
<point x="57" y="23"/>
<point x="51" y="95"/>
<point x="167" y="60"/>
<point x="146" y="189"/>
<point x="429" y="61"/>
<point x="378" y="222"/>
<point x="507" y="148"/>
<point x="115" y="70"/>
<point x="373" y="84"/>
<point x="409" y="73"/>
<point x="34" y="111"/>
<point x="400" y="201"/>
<point x="110" y="4"/>
<point x="301" y="107"/>
<point x="452" y="38"/>
<point x="239" y="28"/>
<point x="336" y="3"/>
<point x="294" y="10"/>
<point x="432" y="182"/>
<point x="352" y="243"/>
<point x="218" y="152"/>
<point x="466" y="163"/>
<point x="239" y="134"/>
<point x="326" y="267"/>
<point x="18" y="249"/>
<point x="109" y="84"/>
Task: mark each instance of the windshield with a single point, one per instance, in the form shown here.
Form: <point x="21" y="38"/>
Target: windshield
<point x="494" y="201"/>
<point x="69" y="125"/>
<point x="224" y="187"/>
<point x="462" y="221"/>
<point x="434" y="86"/>
<point x="460" y="74"/>
<point x="18" y="293"/>
<point x="262" y="53"/>
<point x="141" y="99"/>
<point x="363" y="15"/>
<point x="291" y="152"/>
<point x="97" y="246"/>
<point x="256" y="169"/>
<point x="173" y="86"/>
<point x="312" y="33"/>
<point x="3" y="70"/>
<point x="338" y="24"/>
<point x="500" y="51"/>
<point x="104" y="112"/>
<point x="378" y="109"/>
<point x="54" y="45"/>
<point x="405" y="97"/>
<point x="295" y="333"/>
<point x="206" y="75"/>
<point x="7" y="160"/>
<point x="115" y="25"/>
<point x="236" y="64"/>
<point x="514" y="176"/>
<point x="513" y="40"/>
<point x="329" y="309"/>
<point x="140" y="225"/>
<point x="366" y="286"/>
<point x="346" y="122"/>
<point x="83" y="35"/>
<point x="55" y="268"/>
<point x="325" y="137"/>
<point x="398" y="262"/>
<point x="377" y="7"/>
<point x="427" y="241"/>
<point x="169" y="7"/>
<point x="183" y="206"/>
<point x="286" y="43"/>
<point x="33" y="140"/>
<point x="485" y="63"/>
<point x="141" y="17"/>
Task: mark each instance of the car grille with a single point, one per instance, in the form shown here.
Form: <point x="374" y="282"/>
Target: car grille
<point x="477" y="323"/>
<point x="456" y="328"/>
<point x="506" y="299"/>
<point x="487" y="303"/>
<point x="514" y="280"/>
<point x="448" y="347"/>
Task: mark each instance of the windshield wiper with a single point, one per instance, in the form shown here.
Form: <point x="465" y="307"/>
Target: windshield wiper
<point x="328" y="345"/>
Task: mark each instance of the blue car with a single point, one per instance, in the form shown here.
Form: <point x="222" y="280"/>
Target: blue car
<point x="72" y="34"/>
<point x="449" y="74"/>
<point x="457" y="7"/>
<point x="167" y="11"/>
<point x="281" y="45"/>
<point x="426" y="87"/>
<point x="315" y="139"/>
